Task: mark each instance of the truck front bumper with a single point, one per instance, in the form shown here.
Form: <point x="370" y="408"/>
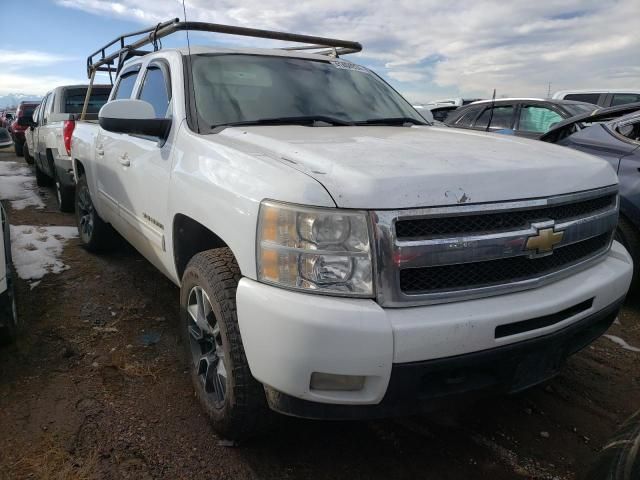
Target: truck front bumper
<point x="415" y="358"/>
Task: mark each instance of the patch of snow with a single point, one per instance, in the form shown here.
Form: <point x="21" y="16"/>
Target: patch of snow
<point x="17" y="184"/>
<point x="36" y="250"/>
<point x="622" y="343"/>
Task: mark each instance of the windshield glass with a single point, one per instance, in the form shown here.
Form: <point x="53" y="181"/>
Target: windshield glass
<point x="251" y="88"/>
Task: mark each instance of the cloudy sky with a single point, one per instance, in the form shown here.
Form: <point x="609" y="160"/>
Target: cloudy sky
<point x="427" y="49"/>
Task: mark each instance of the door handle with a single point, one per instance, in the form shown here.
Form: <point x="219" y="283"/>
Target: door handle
<point x="124" y="160"/>
<point x="100" y="153"/>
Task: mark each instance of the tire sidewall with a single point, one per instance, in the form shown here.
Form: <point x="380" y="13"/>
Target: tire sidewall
<point x="82" y="185"/>
<point x="191" y="278"/>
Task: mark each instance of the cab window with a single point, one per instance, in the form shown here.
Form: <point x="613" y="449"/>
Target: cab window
<point x="125" y="85"/>
<point x="155" y="90"/>
<point x="537" y="119"/>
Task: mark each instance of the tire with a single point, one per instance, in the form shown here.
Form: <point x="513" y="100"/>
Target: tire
<point x="619" y="459"/>
<point x="629" y="236"/>
<point x="236" y="402"/>
<point x="27" y="155"/>
<point x="19" y="148"/>
<point x="95" y="234"/>
<point x="42" y="180"/>
<point x="66" y="196"/>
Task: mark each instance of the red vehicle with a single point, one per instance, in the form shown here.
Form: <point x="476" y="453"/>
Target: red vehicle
<point x="25" y="109"/>
<point x="6" y="117"/>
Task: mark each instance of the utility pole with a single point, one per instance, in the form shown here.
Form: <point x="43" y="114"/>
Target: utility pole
<point x="549" y="91"/>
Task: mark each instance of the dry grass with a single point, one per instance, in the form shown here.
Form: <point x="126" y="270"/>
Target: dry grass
<point x="54" y="463"/>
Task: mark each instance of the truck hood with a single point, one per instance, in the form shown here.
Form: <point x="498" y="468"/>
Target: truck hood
<point x="380" y="167"/>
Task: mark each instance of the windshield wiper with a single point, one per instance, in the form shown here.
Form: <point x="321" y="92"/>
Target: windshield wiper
<point x="400" y="121"/>
<point x="311" y="120"/>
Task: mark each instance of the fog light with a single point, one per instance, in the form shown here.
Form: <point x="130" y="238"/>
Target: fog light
<point x="329" y="381"/>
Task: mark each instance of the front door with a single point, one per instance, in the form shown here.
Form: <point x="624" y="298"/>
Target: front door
<point x="144" y="168"/>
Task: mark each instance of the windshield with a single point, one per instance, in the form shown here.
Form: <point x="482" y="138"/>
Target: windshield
<point x="254" y="88"/>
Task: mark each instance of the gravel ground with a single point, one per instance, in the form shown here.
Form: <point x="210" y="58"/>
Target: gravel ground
<point x="96" y="387"/>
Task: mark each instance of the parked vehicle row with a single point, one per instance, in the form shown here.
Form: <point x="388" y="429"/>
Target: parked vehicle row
<point x="602" y="98"/>
<point x="20" y="123"/>
<point x="526" y="117"/>
<point x="6" y="117"/>
<point x="337" y="256"/>
<point x="48" y="136"/>
<point x="612" y="134"/>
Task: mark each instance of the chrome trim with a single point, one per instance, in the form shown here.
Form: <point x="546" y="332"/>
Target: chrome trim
<point x="393" y="255"/>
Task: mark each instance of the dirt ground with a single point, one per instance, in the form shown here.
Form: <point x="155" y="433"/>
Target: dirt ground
<point x="96" y="387"/>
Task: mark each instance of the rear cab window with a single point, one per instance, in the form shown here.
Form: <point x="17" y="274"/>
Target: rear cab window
<point x="74" y="99"/>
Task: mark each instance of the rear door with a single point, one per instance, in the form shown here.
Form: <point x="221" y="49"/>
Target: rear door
<point x="41" y="133"/>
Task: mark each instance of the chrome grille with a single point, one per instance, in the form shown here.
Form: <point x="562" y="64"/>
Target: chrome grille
<point x="473" y="224"/>
<point x="441" y="254"/>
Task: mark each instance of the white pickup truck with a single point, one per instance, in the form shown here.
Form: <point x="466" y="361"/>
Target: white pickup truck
<point x="48" y="138"/>
<point x="336" y="256"/>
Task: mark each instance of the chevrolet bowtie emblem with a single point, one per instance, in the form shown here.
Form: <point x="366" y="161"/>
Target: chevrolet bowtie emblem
<point x="544" y="241"/>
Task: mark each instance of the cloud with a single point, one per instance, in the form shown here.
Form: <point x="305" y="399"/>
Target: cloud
<point x="15" y="59"/>
<point x="433" y="48"/>
<point x="31" y="83"/>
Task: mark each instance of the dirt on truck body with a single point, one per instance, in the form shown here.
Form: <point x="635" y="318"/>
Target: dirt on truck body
<point x="97" y="387"/>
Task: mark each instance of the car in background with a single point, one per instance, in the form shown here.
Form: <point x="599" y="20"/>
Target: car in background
<point x="48" y="138"/>
<point x="612" y="134"/>
<point x="440" y="109"/>
<point x="603" y="98"/>
<point x="524" y="117"/>
<point x="6" y="117"/>
<point x="8" y="311"/>
<point x="5" y="138"/>
<point x="17" y="129"/>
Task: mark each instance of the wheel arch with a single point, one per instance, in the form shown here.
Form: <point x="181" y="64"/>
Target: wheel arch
<point x="190" y="237"/>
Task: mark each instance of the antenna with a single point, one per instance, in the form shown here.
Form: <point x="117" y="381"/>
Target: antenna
<point x="193" y="92"/>
<point x="549" y="91"/>
<point x="493" y="103"/>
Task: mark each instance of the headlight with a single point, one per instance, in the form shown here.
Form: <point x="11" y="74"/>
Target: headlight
<point x="314" y="249"/>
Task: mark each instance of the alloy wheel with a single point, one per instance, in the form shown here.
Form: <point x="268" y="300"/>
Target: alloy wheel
<point x="85" y="214"/>
<point x="206" y="346"/>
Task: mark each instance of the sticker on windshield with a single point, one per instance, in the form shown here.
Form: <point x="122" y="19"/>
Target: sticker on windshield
<point x="349" y="66"/>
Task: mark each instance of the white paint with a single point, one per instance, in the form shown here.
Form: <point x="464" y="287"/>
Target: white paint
<point x="17" y="184"/>
<point x="36" y="250"/>
<point x="288" y="335"/>
<point x="622" y="343"/>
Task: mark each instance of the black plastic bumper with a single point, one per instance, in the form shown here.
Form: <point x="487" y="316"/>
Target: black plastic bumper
<point x="433" y="384"/>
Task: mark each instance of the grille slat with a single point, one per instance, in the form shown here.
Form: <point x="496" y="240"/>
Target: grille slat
<point x="493" y="272"/>
<point x="499" y="221"/>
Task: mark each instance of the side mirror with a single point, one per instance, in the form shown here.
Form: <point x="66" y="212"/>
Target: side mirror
<point x="25" y="121"/>
<point x="134" y="117"/>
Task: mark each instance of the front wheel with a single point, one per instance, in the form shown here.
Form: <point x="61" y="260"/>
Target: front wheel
<point x="234" y="401"/>
<point x="95" y="234"/>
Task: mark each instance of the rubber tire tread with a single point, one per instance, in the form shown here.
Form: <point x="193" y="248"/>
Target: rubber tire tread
<point x="245" y="412"/>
